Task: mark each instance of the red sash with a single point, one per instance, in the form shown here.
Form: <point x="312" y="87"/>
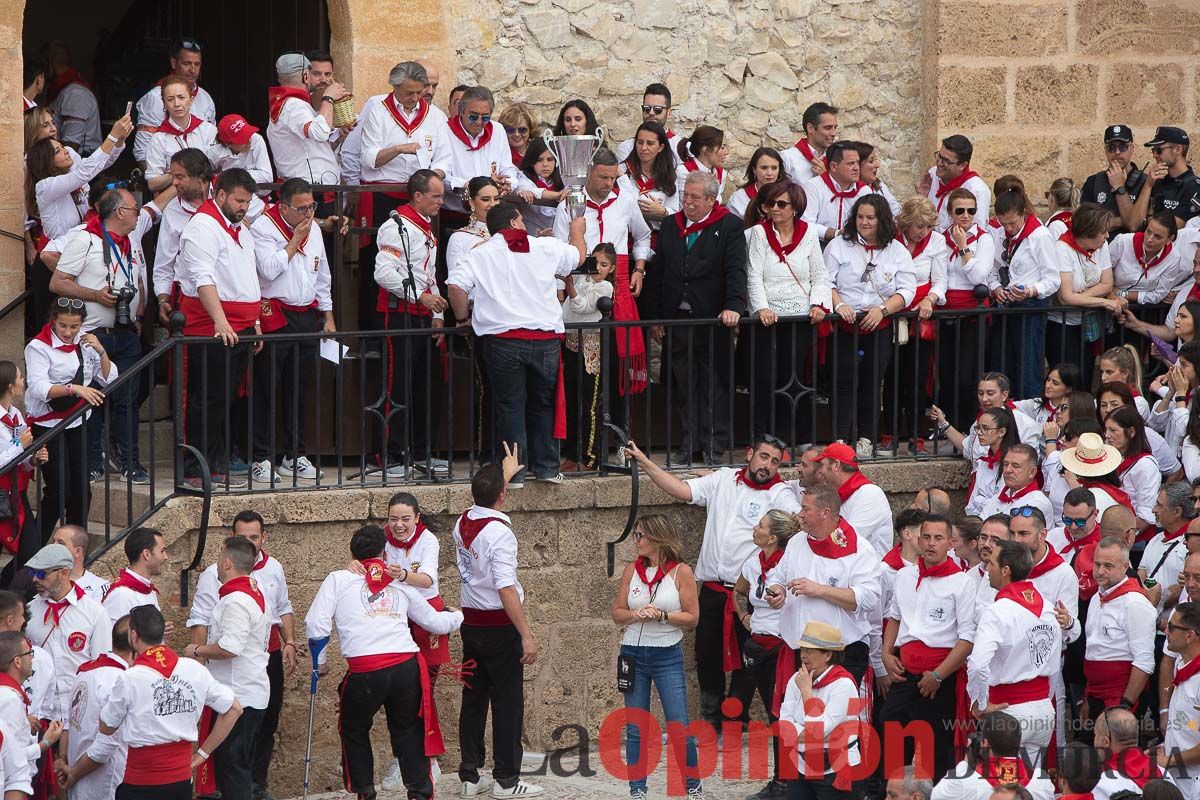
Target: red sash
<point x="159" y="764"/>
<point x="919" y="658"/>
<point x="1106" y="680"/>
<point x="1021" y="692"/>
<point x="397" y="113"/>
<point x="239" y="314"/>
<point x="732" y="652"/>
<point x="270" y="313"/>
<point x="785" y="666"/>
<point x="632" y="370"/>
<point x="435" y="647"/>
<point x="560" y="391"/>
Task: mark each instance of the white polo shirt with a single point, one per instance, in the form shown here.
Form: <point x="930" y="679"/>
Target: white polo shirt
<point x="487" y="564"/>
<point x="82" y="632"/>
<point x="422" y="557"/>
<point x="240" y="625"/>
<point x="935" y="611"/>
<point x="735" y="505"/>
<point x="891" y="274"/>
<point x="386" y="123"/>
<point x="1121" y="629"/>
<point x="121" y="599"/>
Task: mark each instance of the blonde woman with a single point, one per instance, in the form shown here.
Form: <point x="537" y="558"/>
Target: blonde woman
<point x="518" y="124"/>
<point x="1061" y="199"/>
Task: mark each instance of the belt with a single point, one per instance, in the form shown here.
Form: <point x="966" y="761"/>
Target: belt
<point x="113" y="331"/>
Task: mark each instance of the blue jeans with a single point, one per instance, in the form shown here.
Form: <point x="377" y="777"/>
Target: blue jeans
<point x="124" y="348"/>
<point x="523" y="375"/>
<point x="663" y="666"/>
<point x="1021" y="349"/>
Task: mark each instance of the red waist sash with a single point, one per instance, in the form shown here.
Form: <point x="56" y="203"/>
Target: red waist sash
<point x="732" y="659"/>
<point x="1106" y="680"/>
<point x="486" y="617"/>
<point x="239" y="314"/>
<point x="159" y="764"/>
<point x="1021" y="692"/>
<point x="919" y="658"/>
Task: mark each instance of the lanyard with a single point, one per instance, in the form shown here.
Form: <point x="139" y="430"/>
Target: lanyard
<point x="111" y="247"/>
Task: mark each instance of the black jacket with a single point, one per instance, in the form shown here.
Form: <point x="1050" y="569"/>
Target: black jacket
<point x="711" y="276"/>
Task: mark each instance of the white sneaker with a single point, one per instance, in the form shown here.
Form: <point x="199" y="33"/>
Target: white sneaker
<point x="556" y="478"/>
<point x="261" y="473"/>
<point x="391" y="779"/>
<point x="440" y="467"/>
<point x="301" y="468"/>
<point x="695" y="793"/>
<point x="865" y="448"/>
<point x="521" y="789"/>
<point x="480" y="787"/>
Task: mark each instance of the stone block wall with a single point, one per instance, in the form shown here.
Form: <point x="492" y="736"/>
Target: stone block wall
<point x="561" y="531"/>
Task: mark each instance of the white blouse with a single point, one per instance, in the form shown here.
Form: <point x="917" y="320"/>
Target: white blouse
<point x="62" y="200"/>
<point x="1155" y="279"/>
<point x="790" y="287"/>
<point x="47" y="366"/>
<point x="1085" y="273"/>
<point x="930" y="265"/>
<point x="966" y="276"/>
<point x="463" y="241"/>
<point x="866" y="279"/>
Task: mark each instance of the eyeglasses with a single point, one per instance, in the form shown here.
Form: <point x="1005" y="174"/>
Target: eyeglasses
<point x="958" y="212"/>
<point x="511" y="129"/>
<point x="1116" y="147"/>
<point x="1172" y="626"/>
<point x="191" y="44"/>
<point x="126" y="208"/>
<point x="1190" y="534"/>
<point x="986" y="428"/>
<point x="115" y="185"/>
<point x="311" y="208"/>
<point x="1025" y="511"/>
<point x="484" y="118"/>
<point x="70" y="302"/>
<point x="22" y="655"/>
<point x="655" y="109"/>
<point x="1077" y="522"/>
<point x="780" y="204"/>
<point x="945" y="162"/>
<point x="1158" y="149"/>
<point x="638" y="536"/>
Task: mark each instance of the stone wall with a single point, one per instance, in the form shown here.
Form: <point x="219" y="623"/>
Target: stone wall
<point x="561" y="530"/>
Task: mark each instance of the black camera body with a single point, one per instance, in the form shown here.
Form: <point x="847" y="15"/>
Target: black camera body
<point x="124" y="296"/>
<point x="588" y="267"/>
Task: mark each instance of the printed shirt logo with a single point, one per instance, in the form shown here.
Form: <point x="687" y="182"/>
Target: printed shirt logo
<point x="838" y="537"/>
<point x="79" y="699"/>
<point x="1041" y="642"/>
<point x="173" y="696"/>
<point x="77" y="641"/>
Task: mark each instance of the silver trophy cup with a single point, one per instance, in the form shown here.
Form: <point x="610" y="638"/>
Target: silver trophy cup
<point x="574" y="156"/>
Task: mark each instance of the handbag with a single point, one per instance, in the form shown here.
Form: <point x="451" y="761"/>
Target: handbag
<point x="67" y="402"/>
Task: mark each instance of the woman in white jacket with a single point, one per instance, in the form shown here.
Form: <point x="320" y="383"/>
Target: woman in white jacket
<point x="786" y="277"/>
<point x="18" y="534"/>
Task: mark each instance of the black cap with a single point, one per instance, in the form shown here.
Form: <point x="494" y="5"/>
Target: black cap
<point x="1165" y="134"/>
<point x="1118" y="133"/>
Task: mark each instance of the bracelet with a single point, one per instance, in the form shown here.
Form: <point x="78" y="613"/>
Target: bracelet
<point x="290" y="644"/>
<point x="935" y="675"/>
<point x="665" y="616"/>
<point x="839" y="305"/>
<point x="1179" y="398"/>
<point x="113" y="139"/>
<point x="405" y="578"/>
<point x="1052" y="441"/>
<point x="200" y="752"/>
<point x="641" y="271"/>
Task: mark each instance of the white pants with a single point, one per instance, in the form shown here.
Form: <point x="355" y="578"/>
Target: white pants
<point x="1037" y="723"/>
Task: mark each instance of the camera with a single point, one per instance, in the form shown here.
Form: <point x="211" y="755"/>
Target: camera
<point x="124" y="297"/>
<point x="588" y="267"/>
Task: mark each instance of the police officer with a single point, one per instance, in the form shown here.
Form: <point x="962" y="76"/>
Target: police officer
<point x="1118" y="187"/>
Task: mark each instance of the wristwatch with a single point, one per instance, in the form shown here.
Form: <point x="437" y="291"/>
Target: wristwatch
<point x="1120" y="189"/>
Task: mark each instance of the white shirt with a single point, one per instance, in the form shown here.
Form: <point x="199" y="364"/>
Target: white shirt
<point x="1034" y="264"/>
<point x="398" y="252"/>
<point x="151" y="709"/>
<point x="858" y="571"/>
<point x="298" y="281"/>
<point x="256" y="160"/>
<point x="208" y="256"/>
<point x="240" y="627"/>
<point x="835" y="699"/>
<point x="368" y="627"/>
<point x="62" y="200"/>
<point x="1036" y="498"/>
<point x="515" y="290"/>
<point x="1121" y="629"/>
<point x="966" y="276"/>
<point x="1059" y="584"/>
<point x="685" y="168"/>
<point x="582" y="307"/>
<point x="975" y="185"/>
<point x="93" y="686"/>
<point x="422" y="557"/>
<point x="83" y="258"/>
<point x="1012" y="644"/>
<point x="883" y="191"/>
<point x="1171" y="554"/>
<point x="83" y="632"/>
<point x="825" y="211"/>
<point x="120" y="600"/>
<point x="489" y="564"/>
<point x="789" y="287"/>
<point x="1155" y="279"/>
<point x="938" y="613"/>
<point x="968" y="784"/>
<point x="1180" y="730"/>
<point x="300" y="143"/>
<point x="466" y="163"/>
<point x="14" y="723"/>
<point x="351" y="150"/>
<point x="150" y="114"/>
<point x="672" y="204"/>
<point x="271" y="582"/>
<point x="870" y="514"/>
<point x="42" y="685"/>
<point x="797" y="165"/>
<point x="47" y="366"/>
<point x="1142" y="482"/>
<point x="164" y="144"/>
<point x="930" y="264"/>
<point x="892" y="273"/>
<point x="615" y="219"/>
<point x="381" y="129"/>
<point x="764" y="619"/>
<point x="10" y="438"/>
<point x="625" y="148"/>
<point x="734" y="508"/>
<point x="77" y="117"/>
<point x="739" y="201"/>
<point x="93" y="585"/>
<point x="175" y="218"/>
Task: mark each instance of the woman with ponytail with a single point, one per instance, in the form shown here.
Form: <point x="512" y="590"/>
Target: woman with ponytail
<point x="703" y="151"/>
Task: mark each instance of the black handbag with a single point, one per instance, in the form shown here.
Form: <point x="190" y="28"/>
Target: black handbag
<point x="68" y="401"/>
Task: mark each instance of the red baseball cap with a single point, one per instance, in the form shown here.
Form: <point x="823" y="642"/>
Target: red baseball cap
<point x="233" y="129"/>
<point x="843" y="453"/>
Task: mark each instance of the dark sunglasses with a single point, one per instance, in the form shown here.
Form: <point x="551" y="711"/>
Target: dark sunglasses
<point x="1159" y="148"/>
<point x="965" y="210"/>
<point x="773" y="440"/>
<point x="69" y="302"/>
<point x="1116" y="147"/>
<point x="510" y="129"/>
<point x="1077" y="522"/>
<point x="37" y="574"/>
<point x="1025" y="511"/>
<point x="656" y="109"/>
<point x="116" y="185"/>
<point x="780" y="204"/>
<point x="484" y="118"/>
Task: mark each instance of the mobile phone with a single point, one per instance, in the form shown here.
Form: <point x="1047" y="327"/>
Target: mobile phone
<point x="128" y="108"/>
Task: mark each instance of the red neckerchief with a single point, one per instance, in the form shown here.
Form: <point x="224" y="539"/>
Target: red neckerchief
<point x="838" y="193"/>
<point x="1024" y="594"/>
<point x="1170" y="537"/>
<point x="95" y="227"/>
<point x="1139" y="251"/>
<point x="169" y="127"/>
<point x="976" y="232"/>
<point x="1128" y="462"/>
<point x="947" y="567"/>
<point x="415" y="217"/>
<point x="159" y="658"/>
<point x="55" y="608"/>
<point x="376" y="575"/>
<point x="831" y="675"/>
<point x="919" y="247"/>
<point x="103" y="660"/>
<point x="397" y="113"/>
<point x="278" y="95"/>
<point x="1115" y="492"/>
<point x="542" y="183"/>
<point x="1187" y="671"/>
<point x="209" y="209"/>
<point x="780" y="249"/>
<point x="1007" y="497"/>
<point x="751" y="190"/>
<point x="1082" y="541"/>
<point x="469" y="528"/>
<point x="275" y="214"/>
<point x="1133" y="764"/>
<point x="246" y="585"/>
<point x="1032" y="223"/>
<point x="1133" y="390"/>
<point x="127" y="579"/>
<point x="645" y="183"/>
<point x="894" y="560"/>
<point x="43" y="336"/>
<point x="460" y="133"/>
<point x="842" y="542"/>
<point x="767" y="563"/>
<point x="1194" y="293"/>
<point x="1127" y="586"/>
<point x="516" y="239"/>
<point x="713" y="217"/>
<point x="1048" y="563"/>
<point x="999" y="771"/>
<point x="640" y="565"/>
<point x="1068" y="239"/>
<point x="405" y="544"/>
<point x="692" y="165"/>
<point x="517" y="157"/>
<point x="599" y="208"/>
<point x="11" y="682"/>
<point x="1060" y="216"/>
<point x="263" y="558"/>
<point x="806" y="150"/>
<point x="991" y="458"/>
<point x="63" y="80"/>
<point x="945" y="189"/>
<point x="10" y="420"/>
<point x="1051" y="409"/>
<point x="855" y="482"/>
<point x="743" y="478"/>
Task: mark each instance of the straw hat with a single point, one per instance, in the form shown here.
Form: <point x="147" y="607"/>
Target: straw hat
<point x="1091" y="457"/>
<point x="821" y="636"/>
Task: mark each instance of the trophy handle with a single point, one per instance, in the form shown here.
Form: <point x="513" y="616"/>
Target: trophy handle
<point x="548" y="138"/>
<point x="599" y="140"/>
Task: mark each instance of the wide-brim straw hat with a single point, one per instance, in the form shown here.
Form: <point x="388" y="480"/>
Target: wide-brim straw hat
<point x="1091" y="457"/>
<point x="821" y="636"/>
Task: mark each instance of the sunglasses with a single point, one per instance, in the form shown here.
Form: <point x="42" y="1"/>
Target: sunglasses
<point x="866" y="276"/>
<point x="511" y="129"/>
<point x="484" y="118"/>
<point x="1116" y="147"/>
<point x="958" y="212"/>
<point x="192" y="44"/>
<point x="1073" y="521"/>
<point x="1158" y="149"/>
<point x="116" y="185"/>
<point x="780" y="204"/>
<point x="70" y="302"/>
<point x="655" y="109"/>
<point x="38" y="574"/>
<point x="638" y="536"/>
<point x="1025" y="511"/>
<point x="761" y="587"/>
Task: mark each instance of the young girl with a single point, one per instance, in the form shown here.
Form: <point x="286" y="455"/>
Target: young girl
<point x="766" y="166"/>
<point x="581" y="359"/>
<point x="540" y="166"/>
<point x="1061" y="380"/>
<point x="1175" y="387"/>
<point x="1061" y="199"/>
<point x="18" y="534"/>
<point x="1122" y="365"/>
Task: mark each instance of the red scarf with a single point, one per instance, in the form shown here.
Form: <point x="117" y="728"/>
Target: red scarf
<point x="1127" y="586"/>
<point x="159" y="658"/>
<point x="63" y="80"/>
<point x="95" y="227"/>
<point x="842" y="542"/>
<point x="1048" y="563"/>
<point x="766" y="564"/>
<point x="169" y="127"/>
<point x="103" y="660"/>
<point x="976" y="232"/>
<point x="1007" y="497"/>
<point x="209" y="209"/>
<point x="422" y="111"/>
<point x="832" y="674"/>
<point x="838" y="193"/>
<point x="1139" y="250"/>
<point x="640" y="565"/>
<point x="751" y="190"/>
<point x="1024" y="594"/>
<point x="1060" y="216"/>
<point x="1170" y="537"/>
<point x="469" y="528"/>
<point x="991" y="458"/>
<point x="691" y="165"/>
<point x="743" y="478"/>
<point x="516" y="239"/>
<point x="999" y="771"/>
<point x="634" y="169"/>
<point x="517" y="157"/>
<point x="10" y="420"/>
<point x="56" y="609"/>
<point x="713" y="217"/>
<point x="43" y="336"/>
<point x="129" y="581"/>
<point x="599" y="208"/>
<point x="945" y="189"/>
<point x="947" y="567"/>
<point x="376" y="575"/>
<point x="782" y="251"/>
<point x="11" y="682"/>
<point x="1193" y="294"/>
<point x="246" y="585"/>
<point x="806" y="150"/>
<point x="1115" y="492"/>
<point x="278" y="95"/>
<point x="920" y="246"/>
<point x="1068" y="239"/>
<point x="894" y="560"/>
<point x="263" y="558"/>
<point x="855" y="482"/>
<point x="1188" y="670"/>
<point x="1133" y="764"/>
<point x="408" y="543"/>
<point x="1128" y="462"/>
<point x="460" y="133"/>
<point x="415" y="217"/>
<point x="275" y="214"/>
<point x="1082" y="541"/>
<point x="1032" y="223"/>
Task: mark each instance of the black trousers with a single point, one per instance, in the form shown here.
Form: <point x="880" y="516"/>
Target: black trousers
<point x="905" y="704"/>
<point x="264" y="741"/>
<point x="905" y="387"/>
<point x="66" y="491"/>
<point x="233" y="758"/>
<point x="37" y="307"/>
<point x="783" y="359"/>
<point x="368" y="289"/>
<point x="701" y="371"/>
<point x="408" y="380"/>
<point x="167" y="791"/>
<point x="284" y="380"/>
<point x="761" y="679"/>
<point x="498" y="684"/>
<point x="583" y="409"/>
<point x="816" y="789"/>
<point x="214" y="376"/>
<point x="397" y="690"/>
<point x="710" y="654"/>
<point x="960" y="362"/>
<point x="862" y="361"/>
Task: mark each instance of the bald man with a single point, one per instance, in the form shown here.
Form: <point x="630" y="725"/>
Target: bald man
<point x="1127" y="768"/>
<point x="76" y="539"/>
<point x="1119" y="521"/>
<point x="932" y="501"/>
<point x="432" y="78"/>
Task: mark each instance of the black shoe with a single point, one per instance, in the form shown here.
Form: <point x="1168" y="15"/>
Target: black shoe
<point x="775" y="790"/>
<point x="261" y="793"/>
<point x="680" y="458"/>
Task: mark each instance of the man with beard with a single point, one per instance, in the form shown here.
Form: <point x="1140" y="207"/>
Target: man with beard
<point x="1116" y="188"/>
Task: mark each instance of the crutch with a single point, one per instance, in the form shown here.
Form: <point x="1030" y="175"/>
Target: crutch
<point x="315" y="646"/>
